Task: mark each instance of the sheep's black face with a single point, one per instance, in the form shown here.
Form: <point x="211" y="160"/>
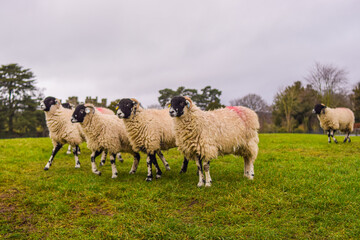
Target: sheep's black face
<point x="177" y="106"/>
<point x="319" y="108"/>
<point x="66" y="105"/>
<point x="79" y="114"/>
<point x="47" y="103"/>
<point x="124" y="108"/>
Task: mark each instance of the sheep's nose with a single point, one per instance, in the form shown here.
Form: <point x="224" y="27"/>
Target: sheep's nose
<point x="73" y="120"/>
<point x="172" y="112"/>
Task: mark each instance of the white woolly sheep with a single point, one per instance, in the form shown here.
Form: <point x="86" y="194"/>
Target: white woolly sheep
<point x="108" y="111"/>
<point x="150" y="130"/>
<point x="103" y="133"/>
<point x="204" y="135"/>
<point x="332" y="119"/>
<point x="61" y="130"/>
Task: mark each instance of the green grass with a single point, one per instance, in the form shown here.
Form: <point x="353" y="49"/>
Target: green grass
<point x="304" y="188"/>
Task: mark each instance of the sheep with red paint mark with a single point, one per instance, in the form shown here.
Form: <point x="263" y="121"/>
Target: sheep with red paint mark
<point x="205" y="135"/>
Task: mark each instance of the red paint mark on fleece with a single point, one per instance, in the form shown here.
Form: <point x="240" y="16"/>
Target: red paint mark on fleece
<point x="238" y="111"/>
<point x="100" y="109"/>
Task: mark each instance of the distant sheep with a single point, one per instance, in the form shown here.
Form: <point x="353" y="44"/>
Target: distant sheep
<point x="150" y="130"/>
<point x="204" y="135"/>
<point x="61" y="130"/>
<point x="103" y="133"/>
<point x="332" y="119"/>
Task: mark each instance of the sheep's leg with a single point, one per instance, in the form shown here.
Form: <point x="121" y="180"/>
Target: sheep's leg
<point x="329" y="139"/>
<point x="158" y="170"/>
<point x="113" y="165"/>
<point x="200" y="170"/>
<point x="119" y="157"/>
<point x="93" y="164"/>
<point x="103" y="158"/>
<point x="75" y="152"/>
<point x="332" y="135"/>
<point x="184" y="165"/>
<point x="161" y="156"/>
<point x="68" y="150"/>
<point x="349" y="140"/>
<point x="149" y="167"/>
<point x="347" y="137"/>
<point x="249" y="167"/>
<point x="249" y="160"/>
<point x="207" y="174"/>
<point x="54" y="151"/>
<point x="135" y="163"/>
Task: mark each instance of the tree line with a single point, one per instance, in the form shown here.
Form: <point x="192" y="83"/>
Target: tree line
<point x="290" y="111"/>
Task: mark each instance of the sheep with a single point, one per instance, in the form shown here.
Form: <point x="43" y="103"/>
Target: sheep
<point x="332" y="119"/>
<point x="150" y="130"/>
<point x="204" y="135"/>
<point x="103" y="111"/>
<point x="103" y="133"/>
<point x="61" y="131"/>
<point x="108" y="111"/>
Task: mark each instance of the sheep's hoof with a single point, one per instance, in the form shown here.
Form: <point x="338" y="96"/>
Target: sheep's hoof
<point x="167" y="167"/>
<point x="46" y="168"/>
<point x="102" y="163"/>
<point x="182" y="171"/>
<point x="335" y="141"/>
<point x="115" y="175"/>
<point x="200" y="184"/>
<point x="97" y="172"/>
<point x="121" y="160"/>
<point x="77" y="166"/>
<point x="158" y="176"/>
<point x="148" y="179"/>
<point x="349" y="140"/>
<point x="132" y="172"/>
<point x="68" y="152"/>
<point x="208" y="184"/>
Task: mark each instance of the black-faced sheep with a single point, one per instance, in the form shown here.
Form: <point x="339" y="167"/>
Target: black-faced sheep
<point x="103" y="133"/>
<point x="150" y="130"/>
<point x="204" y="135"/>
<point x="332" y="119"/>
<point x="61" y="130"/>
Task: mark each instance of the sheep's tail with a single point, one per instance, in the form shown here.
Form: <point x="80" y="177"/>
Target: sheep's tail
<point x="249" y="117"/>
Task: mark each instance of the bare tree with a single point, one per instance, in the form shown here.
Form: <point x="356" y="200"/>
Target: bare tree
<point x="327" y="80"/>
<point x="252" y="101"/>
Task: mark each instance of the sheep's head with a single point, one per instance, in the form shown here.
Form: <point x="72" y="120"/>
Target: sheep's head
<point x="319" y="108"/>
<point x="48" y="102"/>
<point x="179" y="105"/>
<point x="80" y="112"/>
<point x="126" y="107"/>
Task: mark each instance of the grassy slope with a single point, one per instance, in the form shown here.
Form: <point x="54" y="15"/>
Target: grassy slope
<point x="303" y="188"/>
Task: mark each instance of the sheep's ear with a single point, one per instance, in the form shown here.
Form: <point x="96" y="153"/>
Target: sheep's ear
<point x="168" y="105"/>
<point x="188" y="104"/>
<point x="323" y="111"/>
<point x="87" y="110"/>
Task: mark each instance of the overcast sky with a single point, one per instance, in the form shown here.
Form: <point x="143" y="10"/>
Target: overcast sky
<point x="114" y="49"/>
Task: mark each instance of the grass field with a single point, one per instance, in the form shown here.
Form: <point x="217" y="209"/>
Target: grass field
<point x="304" y="188"/>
